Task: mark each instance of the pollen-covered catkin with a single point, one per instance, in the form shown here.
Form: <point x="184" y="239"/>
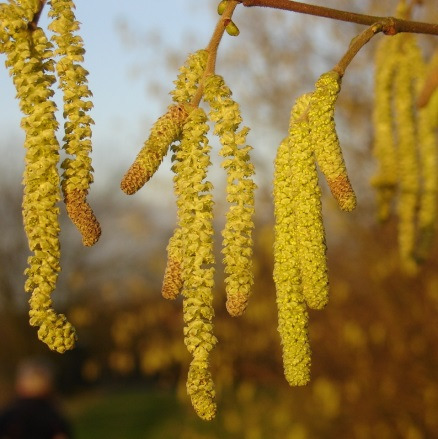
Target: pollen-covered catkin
<point x="408" y="167"/>
<point x="427" y="122"/>
<point x="292" y="312"/>
<point x="195" y="204"/>
<point x="237" y="234"/>
<point x="325" y="140"/>
<point x="384" y="151"/>
<point x="28" y="60"/>
<point x="77" y="175"/>
<point x="309" y="228"/>
<point x="166" y="130"/>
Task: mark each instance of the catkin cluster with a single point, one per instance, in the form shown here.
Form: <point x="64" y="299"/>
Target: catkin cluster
<point x="300" y="268"/>
<point x="190" y="266"/>
<point x="405" y="147"/>
<point x="32" y="61"/>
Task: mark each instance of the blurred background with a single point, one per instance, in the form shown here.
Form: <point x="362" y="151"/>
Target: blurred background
<point x="375" y="356"/>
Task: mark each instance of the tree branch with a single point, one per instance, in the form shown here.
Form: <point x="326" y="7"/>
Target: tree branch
<point x="392" y="26"/>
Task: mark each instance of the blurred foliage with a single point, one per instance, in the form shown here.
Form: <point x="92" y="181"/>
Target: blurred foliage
<point x="375" y="360"/>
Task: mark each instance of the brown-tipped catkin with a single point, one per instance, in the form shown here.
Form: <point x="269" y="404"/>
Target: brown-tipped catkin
<point x="166" y="130"/>
<point x="325" y="140"/>
<point x="82" y="216"/>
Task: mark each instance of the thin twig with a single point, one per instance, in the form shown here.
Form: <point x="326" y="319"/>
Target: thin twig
<point x="395" y="25"/>
<point x="356" y="44"/>
<point x="213" y="47"/>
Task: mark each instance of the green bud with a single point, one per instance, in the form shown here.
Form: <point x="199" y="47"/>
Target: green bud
<point x="232" y="29"/>
<point x="221" y="7"/>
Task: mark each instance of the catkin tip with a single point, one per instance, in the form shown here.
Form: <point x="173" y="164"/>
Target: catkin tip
<point x="236" y="305"/>
<point x="343" y="192"/>
<point x="172" y="282"/>
<point x="134" y="179"/>
<point x="82" y="216"/>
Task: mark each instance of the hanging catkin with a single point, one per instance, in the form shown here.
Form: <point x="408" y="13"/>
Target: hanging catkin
<point x="195" y="230"/>
<point x="325" y="140"/>
<point x="408" y="167"/>
<point x="384" y="151"/>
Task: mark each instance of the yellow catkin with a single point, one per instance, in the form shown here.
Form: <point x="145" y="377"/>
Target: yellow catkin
<point x="195" y="204"/>
<point x="309" y="228"/>
<point x="237" y="234"/>
<point x="408" y="167"/>
<point x="385" y="180"/>
<point x="166" y="130"/>
<point x="292" y="312"/>
<point x="77" y="175"/>
<point x="428" y="160"/>
<point x="28" y="58"/>
<point x="327" y="150"/>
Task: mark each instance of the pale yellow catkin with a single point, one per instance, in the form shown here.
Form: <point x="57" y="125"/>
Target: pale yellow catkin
<point x="325" y="140"/>
<point x="384" y="150"/>
<point x="408" y="166"/>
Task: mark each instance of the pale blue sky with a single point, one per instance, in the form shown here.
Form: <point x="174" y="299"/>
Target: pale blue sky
<point x="123" y="106"/>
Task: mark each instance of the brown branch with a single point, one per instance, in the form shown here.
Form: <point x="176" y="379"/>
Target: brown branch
<point x="394" y="25"/>
<point x="33" y="25"/>
<point x="213" y="47"/>
<point x="356" y="44"/>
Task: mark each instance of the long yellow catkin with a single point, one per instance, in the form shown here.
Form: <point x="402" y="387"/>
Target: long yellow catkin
<point x="309" y="228"/>
<point x="325" y="140"/>
<point x="28" y="58"/>
<point x="237" y="234"/>
<point x="292" y="311"/>
<point x="384" y="151"/>
<point x="77" y="175"/>
<point x="428" y="158"/>
<point x="408" y="167"/>
<point x="195" y="216"/>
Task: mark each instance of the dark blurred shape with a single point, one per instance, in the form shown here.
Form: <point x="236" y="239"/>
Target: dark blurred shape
<point x="34" y="413"/>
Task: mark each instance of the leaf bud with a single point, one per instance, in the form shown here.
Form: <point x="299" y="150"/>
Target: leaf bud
<point x="232" y="29"/>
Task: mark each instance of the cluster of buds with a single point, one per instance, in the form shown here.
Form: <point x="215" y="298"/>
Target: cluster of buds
<point x="32" y="60"/>
<point x="190" y="267"/>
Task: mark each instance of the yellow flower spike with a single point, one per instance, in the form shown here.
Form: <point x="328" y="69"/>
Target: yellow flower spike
<point x="195" y="205"/>
<point x="29" y="64"/>
<point x="384" y="151"/>
<point x="166" y="130"/>
<point x="404" y="101"/>
<point x="327" y="150"/>
<point x="77" y="175"/>
<point x="309" y="228"/>
<point x="188" y="79"/>
<point x="428" y="156"/>
<point x="292" y="312"/>
<point x="237" y="240"/>
<point x="172" y="283"/>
